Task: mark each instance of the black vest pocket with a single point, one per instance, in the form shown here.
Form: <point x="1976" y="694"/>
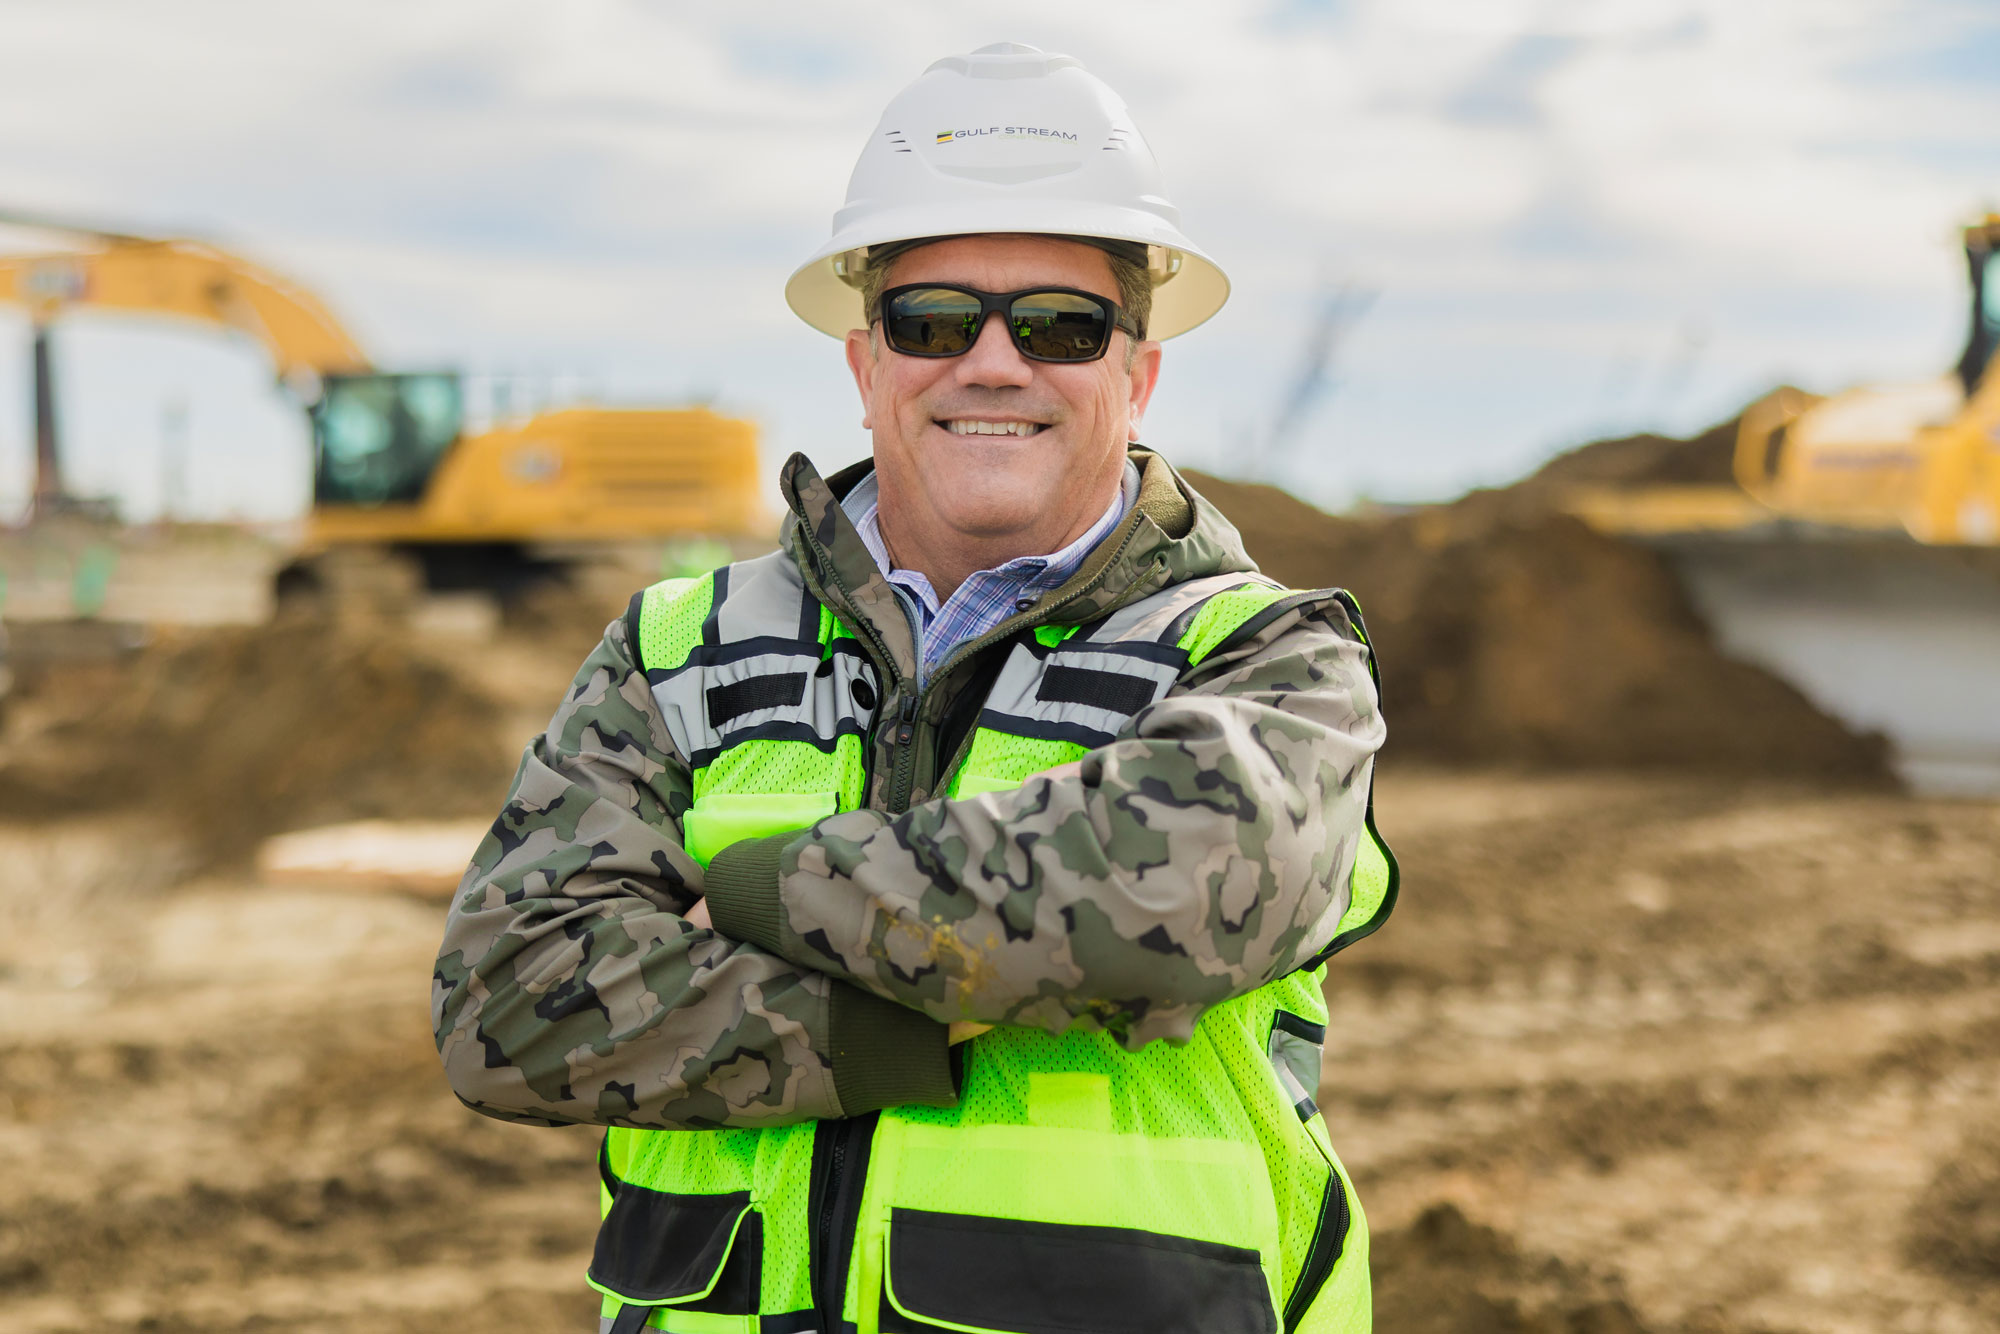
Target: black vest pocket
<point x="693" y="1252"/>
<point x="959" y="1271"/>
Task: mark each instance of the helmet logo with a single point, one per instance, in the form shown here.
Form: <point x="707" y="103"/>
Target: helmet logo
<point x="1007" y="132"/>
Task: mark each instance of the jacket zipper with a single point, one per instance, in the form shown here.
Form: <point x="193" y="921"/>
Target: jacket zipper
<point x="1329" y="1240"/>
<point x="1008" y="627"/>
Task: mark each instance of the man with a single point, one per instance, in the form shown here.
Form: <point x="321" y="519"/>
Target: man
<point x="855" y="887"/>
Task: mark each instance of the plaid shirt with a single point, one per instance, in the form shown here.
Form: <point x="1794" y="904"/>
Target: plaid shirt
<point x="987" y="597"/>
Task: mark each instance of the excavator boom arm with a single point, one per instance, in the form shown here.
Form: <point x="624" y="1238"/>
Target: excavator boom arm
<point x="189" y="280"/>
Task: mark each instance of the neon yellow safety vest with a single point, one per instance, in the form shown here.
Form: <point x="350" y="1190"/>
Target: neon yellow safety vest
<point x="1076" y="1186"/>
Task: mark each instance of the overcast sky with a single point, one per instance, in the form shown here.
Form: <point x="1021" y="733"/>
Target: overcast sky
<point x="1575" y="218"/>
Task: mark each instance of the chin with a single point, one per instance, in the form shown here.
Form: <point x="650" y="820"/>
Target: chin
<point x="993" y="517"/>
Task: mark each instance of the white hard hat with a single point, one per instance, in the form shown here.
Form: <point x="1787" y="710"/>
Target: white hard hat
<point x="1007" y="139"/>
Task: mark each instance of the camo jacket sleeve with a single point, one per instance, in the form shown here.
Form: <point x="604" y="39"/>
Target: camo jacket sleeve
<point x="570" y="988"/>
<point x="1198" y="856"/>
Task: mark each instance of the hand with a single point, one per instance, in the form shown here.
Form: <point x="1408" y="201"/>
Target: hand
<point x="699" y="915"/>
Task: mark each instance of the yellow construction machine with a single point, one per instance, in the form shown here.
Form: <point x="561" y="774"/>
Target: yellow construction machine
<point x="1857" y="553"/>
<point x="393" y="465"/>
<point x="1923" y="457"/>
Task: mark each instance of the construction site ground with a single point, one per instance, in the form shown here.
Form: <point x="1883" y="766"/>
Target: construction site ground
<point x="1647" y="1046"/>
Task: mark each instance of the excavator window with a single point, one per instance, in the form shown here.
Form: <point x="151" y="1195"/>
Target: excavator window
<point x="1989" y="304"/>
<point x="378" y="438"/>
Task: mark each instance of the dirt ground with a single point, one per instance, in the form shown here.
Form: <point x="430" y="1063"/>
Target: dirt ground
<point x="1687" y="1023"/>
<point x="1637" y="1053"/>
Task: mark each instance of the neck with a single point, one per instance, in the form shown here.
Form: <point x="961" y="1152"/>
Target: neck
<point x="918" y="540"/>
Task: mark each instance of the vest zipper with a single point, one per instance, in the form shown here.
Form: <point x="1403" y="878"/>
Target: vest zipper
<point x="1329" y="1240"/>
<point x="840" y="1170"/>
<point x="841" y="1148"/>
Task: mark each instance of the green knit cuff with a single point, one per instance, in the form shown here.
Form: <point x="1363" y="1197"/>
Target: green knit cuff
<point x="887" y="1056"/>
<point x="742" y="890"/>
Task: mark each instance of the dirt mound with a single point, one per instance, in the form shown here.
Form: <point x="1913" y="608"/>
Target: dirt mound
<point x="1513" y="634"/>
<point x="1446" y="1274"/>
<point x="1707" y="459"/>
<point x="234" y="734"/>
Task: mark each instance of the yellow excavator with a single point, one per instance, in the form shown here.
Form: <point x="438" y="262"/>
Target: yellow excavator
<point x="393" y="465"/>
<point x="1923" y="457"/>
<point x="1920" y="459"/>
<point x="1857" y="552"/>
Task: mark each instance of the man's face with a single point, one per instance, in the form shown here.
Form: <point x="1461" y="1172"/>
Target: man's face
<point x="1062" y="428"/>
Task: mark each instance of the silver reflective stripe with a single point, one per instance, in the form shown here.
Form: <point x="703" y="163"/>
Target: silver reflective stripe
<point x="1135" y="644"/>
<point x="765" y="597"/>
<point x="1017" y="693"/>
<point x="683" y="698"/>
<point x="1150" y="618"/>
<point x="814" y="699"/>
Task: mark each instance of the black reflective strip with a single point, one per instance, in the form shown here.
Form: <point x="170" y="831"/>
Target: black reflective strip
<point x="789" y="1322"/>
<point x="1090" y="738"/>
<point x="778" y="730"/>
<point x="781" y="690"/>
<point x="711" y="628"/>
<point x="1300" y="1027"/>
<point x="656" y="1246"/>
<point x="1144" y="650"/>
<point x="1060" y="1278"/>
<point x="716" y="655"/>
<point x="809" y="618"/>
<point x="1113" y="692"/>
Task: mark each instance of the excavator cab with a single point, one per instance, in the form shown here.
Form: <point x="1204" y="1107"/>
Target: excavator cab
<point x="378" y="438"/>
<point x="1981" y="240"/>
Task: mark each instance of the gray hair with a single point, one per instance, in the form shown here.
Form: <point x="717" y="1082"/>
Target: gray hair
<point x="1135" y="285"/>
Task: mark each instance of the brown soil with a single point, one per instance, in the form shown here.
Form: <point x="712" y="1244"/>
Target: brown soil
<point x="239" y="733"/>
<point x="1511" y="634"/>
<point x="1706" y="459"/>
<point x="1637" y="1054"/>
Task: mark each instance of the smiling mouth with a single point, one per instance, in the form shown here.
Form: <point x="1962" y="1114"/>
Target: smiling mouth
<point x="974" y="426"/>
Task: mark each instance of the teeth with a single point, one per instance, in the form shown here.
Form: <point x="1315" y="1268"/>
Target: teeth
<point x="961" y="426"/>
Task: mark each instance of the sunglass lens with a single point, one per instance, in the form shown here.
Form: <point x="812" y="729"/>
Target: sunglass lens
<point x="931" y="321"/>
<point x="1059" y="326"/>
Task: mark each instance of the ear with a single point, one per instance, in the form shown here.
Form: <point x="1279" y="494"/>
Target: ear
<point x="861" y="362"/>
<point x="1145" y="375"/>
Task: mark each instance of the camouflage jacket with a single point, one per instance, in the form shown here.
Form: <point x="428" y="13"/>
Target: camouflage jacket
<point x="1201" y="854"/>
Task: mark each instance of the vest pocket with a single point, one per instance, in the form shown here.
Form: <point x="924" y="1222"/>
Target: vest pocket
<point x="690" y="1252"/>
<point x="963" y="1272"/>
<point x="718" y="819"/>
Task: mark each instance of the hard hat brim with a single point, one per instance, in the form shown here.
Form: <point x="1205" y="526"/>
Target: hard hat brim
<point x="818" y="294"/>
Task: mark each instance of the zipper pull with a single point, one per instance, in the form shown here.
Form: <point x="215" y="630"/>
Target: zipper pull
<point x="906" y="723"/>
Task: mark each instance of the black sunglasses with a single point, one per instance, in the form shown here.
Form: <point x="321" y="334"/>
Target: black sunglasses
<point x="1047" y="323"/>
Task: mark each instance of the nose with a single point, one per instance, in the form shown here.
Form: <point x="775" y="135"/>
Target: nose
<point x="994" y="361"/>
